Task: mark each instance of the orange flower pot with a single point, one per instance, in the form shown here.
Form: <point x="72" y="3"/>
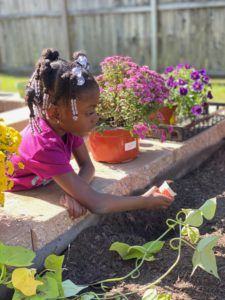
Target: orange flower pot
<point x="113" y="146"/>
<point x="167" y="114"/>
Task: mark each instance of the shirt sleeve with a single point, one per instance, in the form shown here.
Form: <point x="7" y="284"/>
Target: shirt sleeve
<point x="47" y="163"/>
<point x="77" y="142"/>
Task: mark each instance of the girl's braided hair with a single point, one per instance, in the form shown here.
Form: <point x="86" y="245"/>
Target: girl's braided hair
<point x="55" y="79"/>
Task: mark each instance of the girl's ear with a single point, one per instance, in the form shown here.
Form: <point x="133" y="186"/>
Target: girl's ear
<point x="53" y="114"/>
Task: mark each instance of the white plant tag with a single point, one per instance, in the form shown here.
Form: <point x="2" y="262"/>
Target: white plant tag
<point x="131" y="145"/>
<point x="165" y="187"/>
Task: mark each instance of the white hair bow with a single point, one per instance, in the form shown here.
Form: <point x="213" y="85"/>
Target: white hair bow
<point x="82" y="63"/>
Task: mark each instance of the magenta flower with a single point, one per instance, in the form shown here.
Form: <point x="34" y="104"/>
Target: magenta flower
<point x="140" y="130"/>
<point x="129" y="93"/>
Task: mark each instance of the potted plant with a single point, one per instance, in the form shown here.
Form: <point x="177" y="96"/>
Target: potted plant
<point x="128" y="94"/>
<point x="189" y="91"/>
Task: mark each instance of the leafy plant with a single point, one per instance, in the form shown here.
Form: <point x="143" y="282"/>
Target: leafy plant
<point x="189" y="90"/>
<point x="128" y="94"/>
<point x="49" y="285"/>
<point x="9" y="143"/>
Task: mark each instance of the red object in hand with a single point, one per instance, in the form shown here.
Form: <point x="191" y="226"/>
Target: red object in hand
<point x="166" y="190"/>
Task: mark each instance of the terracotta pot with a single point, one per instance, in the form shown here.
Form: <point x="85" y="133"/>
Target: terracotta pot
<point x="113" y="146"/>
<point x="167" y="113"/>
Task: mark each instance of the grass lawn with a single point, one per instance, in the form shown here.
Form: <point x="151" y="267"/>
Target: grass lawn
<point x="10" y="84"/>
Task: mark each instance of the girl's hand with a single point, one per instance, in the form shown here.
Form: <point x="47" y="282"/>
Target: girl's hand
<point x="75" y="209"/>
<point x="156" y="200"/>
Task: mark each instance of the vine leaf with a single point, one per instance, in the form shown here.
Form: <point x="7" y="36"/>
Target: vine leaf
<point x="54" y="263"/>
<point x="194" y="218"/>
<point x="47" y="291"/>
<point x="15" y="256"/>
<point x="129" y="252"/>
<point x="150" y="294"/>
<point x="71" y="289"/>
<point x="192" y="233"/>
<point x="208" y="209"/>
<point x="204" y="257"/>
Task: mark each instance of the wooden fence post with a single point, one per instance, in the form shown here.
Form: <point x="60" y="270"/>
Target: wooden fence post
<point x="65" y="29"/>
<point x="154" y="38"/>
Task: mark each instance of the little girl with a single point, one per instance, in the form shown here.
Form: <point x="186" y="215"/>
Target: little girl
<point x="62" y="97"/>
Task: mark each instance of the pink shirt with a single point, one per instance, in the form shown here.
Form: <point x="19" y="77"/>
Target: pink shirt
<point x="44" y="155"/>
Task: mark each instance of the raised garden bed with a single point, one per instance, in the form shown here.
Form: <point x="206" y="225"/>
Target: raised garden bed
<point x="89" y="259"/>
<point x="182" y="132"/>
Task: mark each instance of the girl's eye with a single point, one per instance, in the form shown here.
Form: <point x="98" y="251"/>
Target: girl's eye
<point x="90" y="113"/>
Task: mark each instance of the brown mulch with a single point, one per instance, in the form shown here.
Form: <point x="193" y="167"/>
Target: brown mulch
<point x="89" y="259"/>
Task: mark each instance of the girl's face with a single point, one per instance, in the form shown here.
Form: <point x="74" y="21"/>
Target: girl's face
<point x="87" y="117"/>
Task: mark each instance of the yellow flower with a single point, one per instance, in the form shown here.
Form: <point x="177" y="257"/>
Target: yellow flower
<point x="10" y="167"/>
<point x="10" y="185"/>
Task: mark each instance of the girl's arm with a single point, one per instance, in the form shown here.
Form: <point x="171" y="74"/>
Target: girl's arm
<point x="84" y="162"/>
<point x="100" y="203"/>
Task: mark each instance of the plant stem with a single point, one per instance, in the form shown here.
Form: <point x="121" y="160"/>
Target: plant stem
<point x="140" y="264"/>
<point x="172" y="267"/>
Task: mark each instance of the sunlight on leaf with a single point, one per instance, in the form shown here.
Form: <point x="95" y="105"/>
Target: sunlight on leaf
<point x="49" y="290"/>
<point x="71" y="289"/>
<point x="194" y="218"/>
<point x="154" y="246"/>
<point x="164" y="297"/>
<point x="150" y="294"/>
<point x="193" y="234"/>
<point x="120" y="248"/>
<point x="15" y="256"/>
<point x="23" y="280"/>
<point x="208" y="209"/>
<point x="54" y="262"/>
<point x="204" y="257"/>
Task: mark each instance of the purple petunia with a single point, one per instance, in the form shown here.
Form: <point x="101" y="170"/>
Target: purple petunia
<point x="196" y="110"/>
<point x="181" y="81"/>
<point x="197" y="86"/>
<point x="183" y="91"/>
<point x="205" y="79"/>
<point x="169" y="69"/>
<point x="195" y="75"/>
<point x="202" y="72"/>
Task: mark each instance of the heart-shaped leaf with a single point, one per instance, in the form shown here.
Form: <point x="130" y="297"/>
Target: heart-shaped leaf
<point x="15" y="256"/>
<point x="194" y="218"/>
<point x="208" y="209"/>
<point x="204" y="257"/>
<point x="71" y="289"/>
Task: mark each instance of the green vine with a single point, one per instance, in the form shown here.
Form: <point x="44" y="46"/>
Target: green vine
<point x="49" y="285"/>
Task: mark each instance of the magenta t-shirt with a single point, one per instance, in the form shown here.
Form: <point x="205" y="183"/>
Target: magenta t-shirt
<point x="44" y="155"/>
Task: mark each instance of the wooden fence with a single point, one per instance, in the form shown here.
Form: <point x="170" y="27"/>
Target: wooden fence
<point x="153" y="32"/>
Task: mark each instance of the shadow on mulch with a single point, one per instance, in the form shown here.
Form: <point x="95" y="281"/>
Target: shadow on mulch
<point x="90" y="260"/>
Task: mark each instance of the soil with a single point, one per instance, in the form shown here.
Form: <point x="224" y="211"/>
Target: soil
<point x="89" y="259"/>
